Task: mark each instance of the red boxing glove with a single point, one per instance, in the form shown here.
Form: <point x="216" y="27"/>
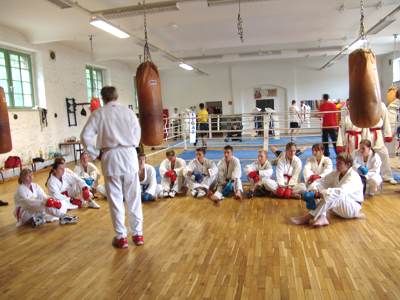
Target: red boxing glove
<point x="339" y="149"/>
<point x="280" y="191"/>
<point x="388" y="139"/>
<point x="77" y="202"/>
<point x="171" y="175"/>
<point x="254" y="175"/>
<point x="288" y="193"/>
<point x="50" y="202"/>
<point x="86" y="193"/>
<point x="313" y="178"/>
<point x="57" y="204"/>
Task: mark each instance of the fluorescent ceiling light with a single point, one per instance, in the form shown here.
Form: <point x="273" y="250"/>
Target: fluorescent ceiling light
<point x="186" y="66"/>
<point x="358" y="44"/>
<point x="108" y="27"/>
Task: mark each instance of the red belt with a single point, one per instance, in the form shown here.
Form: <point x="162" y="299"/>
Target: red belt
<point x="18" y="213"/>
<point x="65" y="194"/>
<point x="374" y="130"/>
<point x="355" y="134"/>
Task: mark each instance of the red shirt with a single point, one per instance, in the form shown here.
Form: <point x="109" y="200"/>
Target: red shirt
<point x="328" y="119"/>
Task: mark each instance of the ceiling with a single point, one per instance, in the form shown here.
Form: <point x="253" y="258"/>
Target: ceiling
<point x="203" y="34"/>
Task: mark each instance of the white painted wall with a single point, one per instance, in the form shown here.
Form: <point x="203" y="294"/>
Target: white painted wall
<point x="54" y="81"/>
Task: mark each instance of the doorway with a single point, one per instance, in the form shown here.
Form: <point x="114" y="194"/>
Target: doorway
<point x="265" y="103"/>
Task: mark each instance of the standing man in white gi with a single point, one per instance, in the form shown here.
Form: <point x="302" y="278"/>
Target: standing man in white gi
<point x="118" y="133"/>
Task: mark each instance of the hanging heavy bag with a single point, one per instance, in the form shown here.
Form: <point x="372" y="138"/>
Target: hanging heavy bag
<point x="391" y="94"/>
<point x="150" y="103"/>
<point x="365" y="96"/>
<point x="5" y="132"/>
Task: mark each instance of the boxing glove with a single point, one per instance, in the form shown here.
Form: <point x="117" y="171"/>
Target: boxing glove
<point x="280" y="192"/>
<point x="57" y="204"/>
<point x="254" y="175"/>
<point x="309" y="198"/>
<point x="313" y="177"/>
<point x="85" y="193"/>
<point x="171" y="175"/>
<point x="77" y="202"/>
<point x="227" y="189"/>
<point x="363" y="170"/>
<point x="388" y="139"/>
<point x="89" y="181"/>
<point x="147" y="197"/>
<point x="288" y="193"/>
<point x="339" y="149"/>
<point x="50" y="202"/>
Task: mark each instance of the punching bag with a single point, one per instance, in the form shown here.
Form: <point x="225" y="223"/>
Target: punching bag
<point x="5" y="132"/>
<point x="391" y="94"/>
<point x="150" y="103"/>
<point x="365" y="95"/>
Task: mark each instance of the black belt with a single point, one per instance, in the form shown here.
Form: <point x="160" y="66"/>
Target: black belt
<point x="359" y="202"/>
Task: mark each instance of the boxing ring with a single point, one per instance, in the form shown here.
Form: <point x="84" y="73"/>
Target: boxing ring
<point x="246" y="133"/>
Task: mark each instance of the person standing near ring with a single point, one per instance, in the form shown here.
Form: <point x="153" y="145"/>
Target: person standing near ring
<point x="329" y="123"/>
<point x="118" y="133"/>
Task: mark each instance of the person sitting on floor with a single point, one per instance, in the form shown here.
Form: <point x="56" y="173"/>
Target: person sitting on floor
<point x="65" y="186"/>
<point x="281" y="153"/>
<point x="258" y="173"/>
<point x="229" y="176"/>
<point x="148" y="182"/>
<point x="288" y="169"/>
<point x="201" y="174"/>
<point x="90" y="174"/>
<point x="34" y="207"/>
<point x="340" y="191"/>
<point x="172" y="171"/>
<point x="317" y="166"/>
<point x="368" y="165"/>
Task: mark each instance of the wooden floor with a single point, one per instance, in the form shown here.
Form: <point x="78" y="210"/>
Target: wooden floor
<point x="195" y="250"/>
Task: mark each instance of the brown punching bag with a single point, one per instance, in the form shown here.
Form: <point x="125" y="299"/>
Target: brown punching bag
<point x="365" y="95"/>
<point x="5" y="133"/>
<point x="150" y="103"/>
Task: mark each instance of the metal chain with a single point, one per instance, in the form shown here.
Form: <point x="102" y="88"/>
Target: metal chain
<point x="146" y="49"/>
<point x="240" y="25"/>
<point x="91" y="46"/>
<point x="362" y="29"/>
<point x="394" y="46"/>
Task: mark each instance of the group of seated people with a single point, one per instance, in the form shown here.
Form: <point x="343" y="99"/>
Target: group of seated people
<point x="323" y="189"/>
<point x="67" y="190"/>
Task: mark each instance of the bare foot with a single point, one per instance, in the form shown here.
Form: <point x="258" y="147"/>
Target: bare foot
<point x="238" y="195"/>
<point x="321" y="221"/>
<point x="301" y="220"/>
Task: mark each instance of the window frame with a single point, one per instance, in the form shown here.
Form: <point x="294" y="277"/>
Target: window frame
<point x="93" y="89"/>
<point x="7" y="53"/>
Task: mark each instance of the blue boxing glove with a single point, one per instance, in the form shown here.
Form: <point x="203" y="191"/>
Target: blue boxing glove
<point x="363" y="170"/>
<point x="197" y="177"/>
<point x="89" y="181"/>
<point x="309" y="198"/>
<point x="147" y="197"/>
<point x="228" y="189"/>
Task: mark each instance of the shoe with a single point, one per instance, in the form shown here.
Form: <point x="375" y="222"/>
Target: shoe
<point x="3" y="203"/>
<point x="38" y="220"/>
<point x="172" y="194"/>
<point x="201" y="194"/>
<point x="138" y="240"/>
<point x="249" y="194"/>
<point x="121" y="243"/>
<point x="66" y="219"/>
<point x="392" y="181"/>
<point x="165" y="194"/>
<point x="194" y="193"/>
<point x="93" y="204"/>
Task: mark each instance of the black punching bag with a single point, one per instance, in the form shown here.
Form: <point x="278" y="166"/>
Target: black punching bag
<point x="5" y="133"/>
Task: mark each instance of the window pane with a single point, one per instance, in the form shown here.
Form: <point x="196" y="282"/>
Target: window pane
<point x="15" y="74"/>
<point x="28" y="101"/>
<point x="94" y="75"/>
<point x="25" y="75"/>
<point x="3" y="72"/>
<point x="24" y="62"/>
<point x="2" y="61"/>
<point x="8" y="99"/>
<point x="87" y="73"/>
<point x="17" y="87"/>
<point x="14" y="61"/>
<point x="18" y="100"/>
<point x="27" y="88"/>
<point x="4" y="85"/>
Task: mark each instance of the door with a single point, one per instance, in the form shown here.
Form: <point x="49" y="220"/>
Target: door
<point x="264" y="103"/>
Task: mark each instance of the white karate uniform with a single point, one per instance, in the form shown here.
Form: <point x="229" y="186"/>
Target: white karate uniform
<point x="342" y="196"/>
<point x="30" y="202"/>
<point x="287" y="175"/>
<point x="306" y="112"/>
<point x="228" y="171"/>
<point x="91" y="173"/>
<point x="118" y="133"/>
<point x="312" y="167"/>
<point x="180" y="170"/>
<point x="70" y="183"/>
<point x="376" y="135"/>
<point x="264" y="171"/>
<point x="373" y="164"/>
<point x="393" y="113"/>
<point x="209" y="171"/>
<point x="294" y="114"/>
<point x="349" y="135"/>
<point x="149" y="183"/>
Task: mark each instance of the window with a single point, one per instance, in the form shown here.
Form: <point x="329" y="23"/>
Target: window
<point x="16" y="78"/>
<point x="396" y="70"/>
<point x="94" y="81"/>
